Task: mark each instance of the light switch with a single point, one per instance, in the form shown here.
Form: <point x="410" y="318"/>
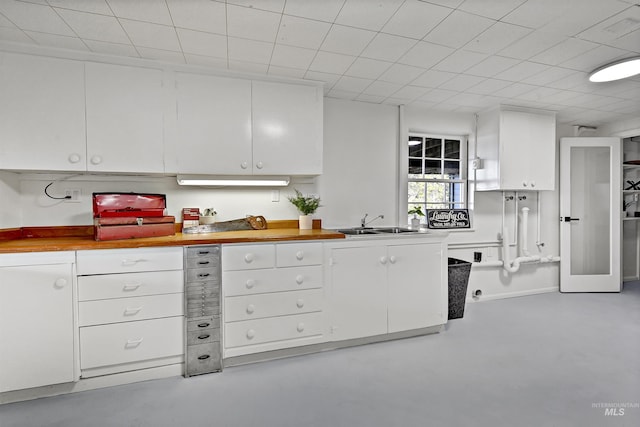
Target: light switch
<point x="275" y="195"/>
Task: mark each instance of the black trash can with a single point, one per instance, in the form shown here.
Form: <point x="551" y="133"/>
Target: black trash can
<point x="458" y="277"/>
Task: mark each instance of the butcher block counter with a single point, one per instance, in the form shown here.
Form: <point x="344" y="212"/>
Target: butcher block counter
<point x="69" y="238"/>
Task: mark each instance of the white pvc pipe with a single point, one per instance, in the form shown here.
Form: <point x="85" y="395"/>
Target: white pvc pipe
<point x="524" y="250"/>
<point x="539" y="243"/>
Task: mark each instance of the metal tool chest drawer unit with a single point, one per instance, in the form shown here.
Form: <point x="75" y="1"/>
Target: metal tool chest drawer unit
<point x="202" y="309"/>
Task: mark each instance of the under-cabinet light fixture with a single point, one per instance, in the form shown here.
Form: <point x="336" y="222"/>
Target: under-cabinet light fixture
<point x="233" y="181"/>
<point x="616" y="70"/>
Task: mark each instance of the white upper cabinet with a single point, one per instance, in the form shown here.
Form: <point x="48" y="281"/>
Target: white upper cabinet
<point x="213" y="128"/>
<point x="42" y="125"/>
<point x="518" y="149"/>
<point x="125" y="112"/>
<point x="287" y="129"/>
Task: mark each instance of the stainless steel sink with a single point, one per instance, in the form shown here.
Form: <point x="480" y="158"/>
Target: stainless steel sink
<point x="395" y="230"/>
<point x="357" y="231"/>
<point x="360" y="231"/>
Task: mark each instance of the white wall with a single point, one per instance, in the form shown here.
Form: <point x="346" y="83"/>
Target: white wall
<point x="10" y="209"/>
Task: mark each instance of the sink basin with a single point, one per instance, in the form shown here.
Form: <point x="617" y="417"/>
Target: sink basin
<point x="357" y="231"/>
<point x="395" y="230"/>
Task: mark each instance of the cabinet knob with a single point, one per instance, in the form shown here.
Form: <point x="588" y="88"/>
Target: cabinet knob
<point x="74" y="158"/>
<point x="244" y="165"/>
<point x="96" y="160"/>
<point x="259" y="165"/>
<point x="248" y="258"/>
<point x="300" y="327"/>
<point x="300" y="255"/>
<point x="60" y="283"/>
<point x="251" y="308"/>
<point x="300" y="303"/>
<point x="250" y="334"/>
<point x="250" y="283"/>
<point x="383" y="260"/>
<point x="392" y="259"/>
<point x="299" y="279"/>
<point x="524" y="183"/>
<point x="533" y="184"/>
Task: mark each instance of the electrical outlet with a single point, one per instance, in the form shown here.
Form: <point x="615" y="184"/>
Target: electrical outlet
<point x="275" y="195"/>
<point x="75" y="194"/>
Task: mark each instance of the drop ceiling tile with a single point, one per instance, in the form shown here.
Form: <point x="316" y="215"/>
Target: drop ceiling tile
<point x="112" y="48"/>
<point x="352" y="84"/>
<point x="497" y="37"/>
<point x="340" y="94"/>
<point x="270" y="5"/>
<point x="34" y="17"/>
<point x="207" y="61"/>
<point x="494" y="9"/>
<point x="470" y="100"/>
<point x="95" y="27"/>
<point x="515" y="90"/>
<point x="433" y="78"/>
<point x="570" y="81"/>
<point x="521" y="71"/>
<point x="425" y="55"/>
<point x="362" y="14"/>
<point x="563" y="51"/>
<point x="421" y="104"/>
<point x="374" y="99"/>
<point x="367" y="68"/>
<point x="302" y="32"/>
<point x="162" y="55"/>
<point x="249" y="50"/>
<point x="5" y="23"/>
<point x="459" y="61"/>
<point x="537" y="13"/>
<point x="248" y="67"/>
<point x="386" y="47"/>
<point x="252" y="24"/>
<point x="326" y="10"/>
<point x="592" y="101"/>
<point x="410" y="92"/>
<point x="491" y="66"/>
<point x="532" y="44"/>
<point x="93" y="6"/>
<point x="201" y="15"/>
<point x="458" y="29"/>
<point x="437" y="95"/>
<point x="547" y="76"/>
<point x="147" y="11"/>
<point x="347" y="40"/>
<point x="334" y="63"/>
<point x="14" y="35"/>
<point x="563" y="97"/>
<point x="488" y="86"/>
<point x="295" y="73"/>
<point x="539" y="94"/>
<point x="447" y="3"/>
<point x="292" y="57"/>
<point x="54" y="40"/>
<point x="200" y="43"/>
<point x="382" y="88"/>
<point x="594" y="58"/>
<point x="414" y="19"/>
<point x="328" y="78"/>
<point x="402" y="74"/>
<point x="146" y="34"/>
<point x="461" y="82"/>
<point x="630" y="42"/>
<point x="590" y="22"/>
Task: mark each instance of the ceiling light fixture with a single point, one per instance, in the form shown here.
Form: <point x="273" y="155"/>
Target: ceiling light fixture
<point x="616" y="70"/>
<point x="233" y="181"/>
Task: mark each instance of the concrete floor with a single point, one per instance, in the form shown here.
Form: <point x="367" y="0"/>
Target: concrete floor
<point x="544" y="360"/>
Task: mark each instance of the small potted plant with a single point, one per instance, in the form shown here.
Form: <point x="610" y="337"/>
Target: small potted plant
<point x="416" y="211"/>
<point x="208" y="216"/>
<point x="307" y="206"/>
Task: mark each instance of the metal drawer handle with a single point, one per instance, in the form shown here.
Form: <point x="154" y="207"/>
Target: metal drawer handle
<point x="203" y="325"/>
<point x="204" y="357"/>
<point x="204" y="275"/>
<point x="203" y="262"/>
<point x="132" y="311"/>
<point x="203" y="337"/>
<point x="131" y="287"/>
<point x="126" y="262"/>
<point x="203" y="252"/>
<point x="134" y="343"/>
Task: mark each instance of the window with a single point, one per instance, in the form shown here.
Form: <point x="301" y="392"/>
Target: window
<point x="437" y="173"/>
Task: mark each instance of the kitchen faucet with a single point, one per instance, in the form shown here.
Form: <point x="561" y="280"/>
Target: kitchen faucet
<point x="363" y="221"/>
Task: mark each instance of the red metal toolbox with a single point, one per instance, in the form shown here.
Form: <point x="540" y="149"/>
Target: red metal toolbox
<point x="130" y="215"/>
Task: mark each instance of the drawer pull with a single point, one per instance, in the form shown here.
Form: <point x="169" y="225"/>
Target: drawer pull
<point x="300" y="303"/>
<point x="203" y="262"/>
<point x="60" y="283"/>
<point x="134" y="343"/>
<point x="131" y="287"/>
<point x="251" y="333"/>
<point x="300" y="279"/>
<point x="248" y="258"/>
<point x="250" y="283"/>
<point x="251" y="308"/>
<point x="300" y="327"/>
<point x="128" y="262"/>
<point x="203" y="337"/>
<point x="203" y="252"/>
<point x="300" y="255"/>
<point x="392" y="259"/>
<point x="204" y="275"/>
<point x="203" y="324"/>
<point x="204" y="357"/>
<point x="132" y="311"/>
<point x="383" y="260"/>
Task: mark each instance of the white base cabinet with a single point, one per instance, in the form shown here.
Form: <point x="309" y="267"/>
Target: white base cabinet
<point x="37" y="337"/>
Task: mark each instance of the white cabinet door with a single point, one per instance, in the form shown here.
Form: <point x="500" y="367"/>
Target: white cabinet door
<point x="415" y="291"/>
<point x="42" y="124"/>
<point x="358" y="292"/>
<point x="36" y="326"/>
<point x="213" y="131"/>
<point x="287" y="129"/>
<point x="125" y="113"/>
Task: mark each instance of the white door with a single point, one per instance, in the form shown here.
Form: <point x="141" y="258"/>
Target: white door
<point x="590" y="214"/>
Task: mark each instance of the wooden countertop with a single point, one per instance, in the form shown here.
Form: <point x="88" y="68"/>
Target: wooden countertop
<point x="56" y="239"/>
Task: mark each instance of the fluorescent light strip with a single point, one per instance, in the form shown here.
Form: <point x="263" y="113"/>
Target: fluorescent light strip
<point x="616" y="70"/>
<point x="235" y="181"/>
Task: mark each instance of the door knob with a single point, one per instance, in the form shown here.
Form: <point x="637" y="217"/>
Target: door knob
<point x="569" y="219"/>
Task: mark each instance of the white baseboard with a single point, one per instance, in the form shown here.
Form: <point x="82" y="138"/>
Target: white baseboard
<point x="515" y="294"/>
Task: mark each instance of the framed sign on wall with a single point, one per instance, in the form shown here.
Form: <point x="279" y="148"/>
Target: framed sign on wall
<point x="448" y="218"/>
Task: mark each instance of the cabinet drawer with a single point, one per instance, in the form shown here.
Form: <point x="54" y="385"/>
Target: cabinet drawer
<point x="200" y="274"/>
<point x="127" y="309"/>
<point x="294" y="254"/>
<point x="248" y="257"/>
<point x="102" y="261"/>
<point x="205" y="323"/>
<point x="203" y="262"/>
<point x="130" y="342"/>
<point x="104" y="286"/>
<point x="273" y="280"/>
<point x="250" y="332"/>
<point x="205" y="289"/>
<point x="203" y="336"/>
<point x="201" y="252"/>
<point x="203" y="358"/>
<point x="273" y="304"/>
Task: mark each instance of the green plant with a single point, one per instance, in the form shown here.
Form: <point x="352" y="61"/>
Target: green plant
<point x="306" y="205"/>
<point x="416" y="210"/>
